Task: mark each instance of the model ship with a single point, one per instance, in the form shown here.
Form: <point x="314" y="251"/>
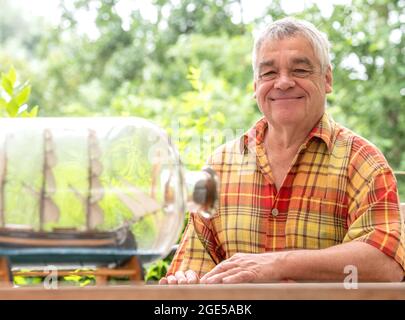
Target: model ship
<point x="17" y="236"/>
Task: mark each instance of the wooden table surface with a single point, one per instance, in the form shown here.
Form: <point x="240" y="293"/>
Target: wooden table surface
<point x="279" y="291"/>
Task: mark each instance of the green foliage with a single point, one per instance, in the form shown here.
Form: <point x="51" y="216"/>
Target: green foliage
<point x="14" y="96"/>
<point x="157" y="270"/>
<point x="73" y="279"/>
<point x="369" y="62"/>
<point x="189" y="70"/>
<point x="26" y="281"/>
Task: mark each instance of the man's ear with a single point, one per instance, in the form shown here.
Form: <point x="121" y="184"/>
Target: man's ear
<point x="254" y="89"/>
<point x="329" y="80"/>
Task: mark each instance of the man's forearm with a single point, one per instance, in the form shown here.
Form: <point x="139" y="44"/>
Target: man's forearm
<point x="329" y="264"/>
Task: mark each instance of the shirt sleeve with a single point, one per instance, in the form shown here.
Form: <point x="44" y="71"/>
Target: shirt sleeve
<point x="194" y="251"/>
<point x="199" y="248"/>
<point x="374" y="215"/>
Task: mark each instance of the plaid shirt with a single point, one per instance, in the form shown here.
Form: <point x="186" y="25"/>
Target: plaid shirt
<point x="339" y="188"/>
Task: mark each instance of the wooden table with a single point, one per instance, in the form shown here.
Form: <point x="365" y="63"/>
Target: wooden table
<point x="279" y="291"/>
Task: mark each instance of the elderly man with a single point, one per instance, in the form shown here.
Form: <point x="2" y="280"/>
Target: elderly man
<point x="301" y="197"/>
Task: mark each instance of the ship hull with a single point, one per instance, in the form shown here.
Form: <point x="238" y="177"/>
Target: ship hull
<point x="15" y="238"/>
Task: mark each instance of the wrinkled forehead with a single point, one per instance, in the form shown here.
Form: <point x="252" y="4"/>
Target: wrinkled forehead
<point x="294" y="49"/>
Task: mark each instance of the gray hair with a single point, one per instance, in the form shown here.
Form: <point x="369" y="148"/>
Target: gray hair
<point x="288" y="28"/>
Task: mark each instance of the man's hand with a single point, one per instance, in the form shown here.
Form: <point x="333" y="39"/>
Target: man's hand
<point x="180" y="277"/>
<point x="246" y="267"/>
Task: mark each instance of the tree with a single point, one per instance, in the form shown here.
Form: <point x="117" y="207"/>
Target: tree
<point x="190" y="67"/>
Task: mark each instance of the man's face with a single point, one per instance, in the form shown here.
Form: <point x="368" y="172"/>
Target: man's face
<point x="290" y="86"/>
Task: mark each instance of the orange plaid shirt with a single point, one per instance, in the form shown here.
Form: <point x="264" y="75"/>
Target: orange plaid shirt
<point x="339" y="188"/>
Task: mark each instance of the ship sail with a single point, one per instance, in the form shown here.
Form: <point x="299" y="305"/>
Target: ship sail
<point x="49" y="212"/>
<point x="138" y="201"/>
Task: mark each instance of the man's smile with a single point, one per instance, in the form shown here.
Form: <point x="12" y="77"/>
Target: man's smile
<point x="286" y="98"/>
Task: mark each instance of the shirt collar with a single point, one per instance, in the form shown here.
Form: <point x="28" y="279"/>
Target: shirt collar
<point x="323" y="130"/>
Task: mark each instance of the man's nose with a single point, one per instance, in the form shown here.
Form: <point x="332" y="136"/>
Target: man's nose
<point x="284" y="82"/>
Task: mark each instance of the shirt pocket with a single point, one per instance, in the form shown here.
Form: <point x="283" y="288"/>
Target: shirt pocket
<point x="315" y="223"/>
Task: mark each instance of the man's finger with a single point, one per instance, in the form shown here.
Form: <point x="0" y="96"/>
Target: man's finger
<point x="217" y="278"/>
<point x="240" y="277"/>
<point x="220" y="268"/>
<point x="191" y="276"/>
<point x="172" y="279"/>
<point x="181" y="278"/>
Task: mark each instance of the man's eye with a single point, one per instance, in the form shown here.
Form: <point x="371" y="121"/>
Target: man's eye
<point x="301" y="72"/>
<point x="268" y="75"/>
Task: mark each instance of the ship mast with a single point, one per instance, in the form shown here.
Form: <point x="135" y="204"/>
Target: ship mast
<point x="43" y="186"/>
<point x="94" y="214"/>
<point x="48" y="211"/>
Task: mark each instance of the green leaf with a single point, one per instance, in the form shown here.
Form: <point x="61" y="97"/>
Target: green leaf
<point x="23" y="96"/>
<point x="34" y="112"/>
<point x="219" y="117"/>
<point x="12" y="76"/>
<point x="85" y="282"/>
<point x="12" y="108"/>
<point x="3" y="104"/>
<point x="19" y="280"/>
<point x="7" y="85"/>
<point x="29" y="114"/>
<point x="73" y="278"/>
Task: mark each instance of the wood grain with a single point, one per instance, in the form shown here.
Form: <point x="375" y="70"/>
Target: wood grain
<point x="279" y="291"/>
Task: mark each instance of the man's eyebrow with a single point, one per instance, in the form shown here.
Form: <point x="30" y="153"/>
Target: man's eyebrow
<point x="303" y="60"/>
<point x="296" y="60"/>
<point x="267" y="63"/>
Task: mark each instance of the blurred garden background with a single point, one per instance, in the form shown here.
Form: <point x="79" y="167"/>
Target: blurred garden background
<point x="186" y="66"/>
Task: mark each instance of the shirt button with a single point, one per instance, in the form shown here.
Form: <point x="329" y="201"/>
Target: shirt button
<point x="274" y="212"/>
